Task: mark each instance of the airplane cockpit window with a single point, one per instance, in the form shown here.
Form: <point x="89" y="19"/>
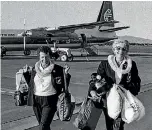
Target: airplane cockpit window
<point x="26" y="33"/>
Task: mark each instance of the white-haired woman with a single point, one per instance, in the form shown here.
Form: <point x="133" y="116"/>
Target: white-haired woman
<point x="118" y="69"/>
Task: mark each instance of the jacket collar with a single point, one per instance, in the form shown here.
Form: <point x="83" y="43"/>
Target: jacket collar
<point x="124" y="68"/>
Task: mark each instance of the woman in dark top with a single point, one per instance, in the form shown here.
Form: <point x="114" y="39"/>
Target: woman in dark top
<point x="118" y="69"/>
<point x="46" y="83"/>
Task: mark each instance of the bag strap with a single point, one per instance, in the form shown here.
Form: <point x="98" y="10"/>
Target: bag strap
<point x="65" y="82"/>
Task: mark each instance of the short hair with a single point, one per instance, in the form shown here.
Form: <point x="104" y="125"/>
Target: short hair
<point x="45" y="49"/>
<point x="119" y="41"/>
<point x="93" y="74"/>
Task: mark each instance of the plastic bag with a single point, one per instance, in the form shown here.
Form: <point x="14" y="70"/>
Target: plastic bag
<point x="132" y="109"/>
<point x="114" y="103"/>
<point x="22" y="80"/>
<point x="65" y="106"/>
<point x="21" y="84"/>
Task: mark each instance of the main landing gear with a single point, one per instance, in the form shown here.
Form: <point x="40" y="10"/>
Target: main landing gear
<point x="27" y="52"/>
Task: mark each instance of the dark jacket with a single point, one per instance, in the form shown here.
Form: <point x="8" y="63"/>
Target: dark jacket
<point x="130" y="81"/>
<point x="57" y="78"/>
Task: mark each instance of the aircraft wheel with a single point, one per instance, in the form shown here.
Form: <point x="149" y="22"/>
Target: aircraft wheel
<point x="3" y="51"/>
<point x="64" y="58"/>
<point x="27" y="52"/>
<point x="2" y="55"/>
<point x="70" y="58"/>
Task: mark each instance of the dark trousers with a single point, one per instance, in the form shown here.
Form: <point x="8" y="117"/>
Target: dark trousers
<point x="112" y="124"/>
<point x="44" y="108"/>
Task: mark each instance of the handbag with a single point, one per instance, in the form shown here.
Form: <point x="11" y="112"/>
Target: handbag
<point x="66" y="103"/>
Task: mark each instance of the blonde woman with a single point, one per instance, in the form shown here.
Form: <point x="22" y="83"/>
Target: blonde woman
<point x="118" y="69"/>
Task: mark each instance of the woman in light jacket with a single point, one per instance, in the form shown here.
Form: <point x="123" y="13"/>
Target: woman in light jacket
<point x="118" y="69"/>
<point x="46" y="83"/>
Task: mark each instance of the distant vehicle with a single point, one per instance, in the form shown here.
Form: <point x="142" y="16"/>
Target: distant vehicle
<point x="64" y="54"/>
<point x="71" y="36"/>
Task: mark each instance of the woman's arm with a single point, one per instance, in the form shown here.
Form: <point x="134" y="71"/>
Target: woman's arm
<point x="135" y="83"/>
<point x="101" y="71"/>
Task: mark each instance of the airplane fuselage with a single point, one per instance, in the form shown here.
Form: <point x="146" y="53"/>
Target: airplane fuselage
<point x="13" y="41"/>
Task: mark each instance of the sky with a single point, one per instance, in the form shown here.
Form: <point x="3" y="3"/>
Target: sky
<point x="136" y="14"/>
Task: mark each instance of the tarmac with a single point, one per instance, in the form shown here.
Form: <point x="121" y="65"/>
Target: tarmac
<point x="143" y="124"/>
<point x="30" y="123"/>
<point x="22" y="118"/>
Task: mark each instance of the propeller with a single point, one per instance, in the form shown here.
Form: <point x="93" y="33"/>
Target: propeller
<point x="24" y="36"/>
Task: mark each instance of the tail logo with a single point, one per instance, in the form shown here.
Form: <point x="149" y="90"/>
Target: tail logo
<point x="107" y="15"/>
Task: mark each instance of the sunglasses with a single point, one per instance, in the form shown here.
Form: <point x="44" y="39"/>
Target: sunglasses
<point x="121" y="48"/>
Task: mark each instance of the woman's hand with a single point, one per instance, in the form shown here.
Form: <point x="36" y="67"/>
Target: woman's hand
<point x="66" y="67"/>
<point x="94" y="95"/>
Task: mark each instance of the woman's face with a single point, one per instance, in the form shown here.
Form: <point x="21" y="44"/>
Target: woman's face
<point x="44" y="58"/>
<point x="120" y="50"/>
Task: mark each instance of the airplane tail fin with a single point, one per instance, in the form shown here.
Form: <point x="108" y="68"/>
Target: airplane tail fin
<point x="106" y="13"/>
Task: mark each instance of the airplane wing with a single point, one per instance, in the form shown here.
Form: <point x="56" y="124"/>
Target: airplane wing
<point x="113" y="29"/>
<point x="82" y="26"/>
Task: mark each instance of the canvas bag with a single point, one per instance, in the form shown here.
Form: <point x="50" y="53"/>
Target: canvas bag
<point x="66" y="103"/>
<point x="132" y="108"/>
<point x="114" y="102"/>
<point x="88" y="115"/>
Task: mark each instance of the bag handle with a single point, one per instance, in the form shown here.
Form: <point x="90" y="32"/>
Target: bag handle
<point x="65" y="82"/>
<point x="127" y="94"/>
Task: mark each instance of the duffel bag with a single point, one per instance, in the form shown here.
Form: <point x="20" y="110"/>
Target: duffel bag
<point x="88" y="115"/>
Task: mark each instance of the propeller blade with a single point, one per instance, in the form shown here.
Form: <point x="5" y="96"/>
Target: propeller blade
<point x="24" y="43"/>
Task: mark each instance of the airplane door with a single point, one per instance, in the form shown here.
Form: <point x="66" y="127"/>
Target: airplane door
<point x="84" y="40"/>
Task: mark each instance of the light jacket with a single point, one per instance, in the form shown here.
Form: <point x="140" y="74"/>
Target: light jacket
<point x="57" y="78"/>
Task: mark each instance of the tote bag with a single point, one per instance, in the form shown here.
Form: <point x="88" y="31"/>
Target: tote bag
<point x="88" y="115"/>
<point x="66" y="103"/>
<point x="65" y="106"/>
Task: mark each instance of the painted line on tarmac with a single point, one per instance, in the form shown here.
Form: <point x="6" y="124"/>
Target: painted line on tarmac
<point x="8" y="92"/>
<point x="148" y="85"/>
<point x="12" y="77"/>
<point x="76" y="110"/>
<point x="145" y="88"/>
<point x="78" y="83"/>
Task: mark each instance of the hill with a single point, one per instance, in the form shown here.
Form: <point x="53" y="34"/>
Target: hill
<point x="136" y="40"/>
